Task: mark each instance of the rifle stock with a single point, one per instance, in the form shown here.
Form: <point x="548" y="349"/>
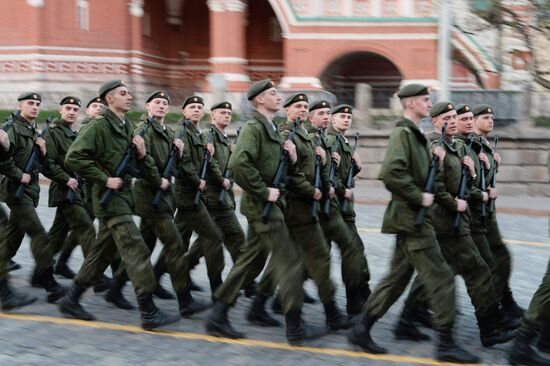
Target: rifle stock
<point x="494" y="180"/>
<point x="227" y="173"/>
<point x="331" y="175"/>
<point x="204" y="167"/>
<point x="349" y="177"/>
<point x="317" y="178"/>
<point x="463" y="183"/>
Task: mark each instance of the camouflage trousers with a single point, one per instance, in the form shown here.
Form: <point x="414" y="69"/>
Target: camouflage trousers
<point x="287" y="267"/>
<point x="75" y="218"/>
<point x="419" y="251"/>
<point x="538" y="313"/>
<point x="118" y="233"/>
<point x="23" y="220"/>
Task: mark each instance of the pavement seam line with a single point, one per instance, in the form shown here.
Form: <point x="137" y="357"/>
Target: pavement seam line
<point x="211" y="339"/>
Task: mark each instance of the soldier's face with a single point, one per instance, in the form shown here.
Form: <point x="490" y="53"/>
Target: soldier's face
<point x="341" y="121"/>
<point x="466" y="123"/>
<point x="157" y="108"/>
<point x="421" y="105"/>
<point x="93" y="110"/>
<point x="119" y="99"/>
<point x="270" y="99"/>
<point x="295" y="110"/>
<point x="452" y="123"/>
<point x="484" y="123"/>
<point x="320" y="117"/>
<point x="69" y="112"/>
<point x="221" y="117"/>
<point x="30" y="108"/>
<point x="194" y="112"/>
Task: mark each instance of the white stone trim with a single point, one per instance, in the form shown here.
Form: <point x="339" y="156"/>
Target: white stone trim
<point x="135" y="7"/>
<point x="348" y="8"/>
<point x="232" y="76"/>
<point x="406" y="8"/>
<point x="35" y="3"/>
<point x="428" y="82"/>
<point x="376" y="8"/>
<point x="228" y="60"/>
<point x="362" y="36"/>
<point x="226" y="5"/>
<point x="287" y="81"/>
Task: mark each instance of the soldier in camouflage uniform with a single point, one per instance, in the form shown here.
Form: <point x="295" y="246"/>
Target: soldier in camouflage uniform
<point x="254" y="164"/>
<point x="404" y="172"/>
<point x="95" y="155"/>
<point x="23" y="216"/>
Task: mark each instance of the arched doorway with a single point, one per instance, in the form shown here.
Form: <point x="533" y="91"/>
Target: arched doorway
<point x="341" y="75"/>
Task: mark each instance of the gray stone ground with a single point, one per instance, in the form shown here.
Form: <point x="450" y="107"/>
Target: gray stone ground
<point x="30" y="342"/>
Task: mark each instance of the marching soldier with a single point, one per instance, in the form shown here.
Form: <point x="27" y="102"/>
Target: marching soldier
<point x="191" y="218"/>
<point x="349" y="159"/>
<point x="95" y="155"/>
<point x="404" y="172"/>
<point x="24" y="219"/>
<point x="254" y="164"/>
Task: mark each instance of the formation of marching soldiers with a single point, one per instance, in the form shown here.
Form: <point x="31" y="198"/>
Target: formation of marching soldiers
<point x="297" y="183"/>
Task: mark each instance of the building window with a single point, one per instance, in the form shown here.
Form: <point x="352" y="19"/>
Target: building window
<point x="275" y="30"/>
<point x="390" y="8"/>
<point x="83" y="14"/>
<point x="146" y="25"/>
<point x="333" y="7"/>
<point x="361" y="7"/>
<point x="423" y="8"/>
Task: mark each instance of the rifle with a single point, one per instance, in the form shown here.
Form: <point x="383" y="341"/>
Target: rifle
<point x="331" y="175"/>
<point x="281" y="171"/>
<point x="226" y="172"/>
<point x="482" y="182"/>
<point x="168" y="169"/>
<point x="32" y="160"/>
<point x="463" y="183"/>
<point x="317" y="176"/>
<point x="71" y="195"/>
<point x="204" y="167"/>
<point x="494" y="180"/>
<point x="10" y="121"/>
<point x="349" y="178"/>
<point x="428" y="187"/>
<point x="124" y="165"/>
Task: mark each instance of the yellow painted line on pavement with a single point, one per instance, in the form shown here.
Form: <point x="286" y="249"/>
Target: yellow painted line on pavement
<point x="239" y="342"/>
<point x="508" y="241"/>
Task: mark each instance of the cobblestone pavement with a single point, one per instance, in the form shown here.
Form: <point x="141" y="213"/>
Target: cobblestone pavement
<point x="39" y="335"/>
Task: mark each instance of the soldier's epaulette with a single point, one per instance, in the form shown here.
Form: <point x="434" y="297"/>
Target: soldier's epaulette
<point x="407" y="129"/>
<point x="285" y="127"/>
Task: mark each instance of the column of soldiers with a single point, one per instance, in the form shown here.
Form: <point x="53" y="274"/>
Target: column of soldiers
<point x="297" y="183"/>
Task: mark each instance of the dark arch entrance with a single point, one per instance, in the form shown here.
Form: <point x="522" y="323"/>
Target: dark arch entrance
<point x="341" y="75"/>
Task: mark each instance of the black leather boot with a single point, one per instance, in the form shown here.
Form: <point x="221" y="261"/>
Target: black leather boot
<point x="13" y="266"/>
<point x="115" y="296"/>
<point x="523" y="352"/>
<point x="250" y="289"/>
<point x="276" y="305"/>
<point x="46" y="280"/>
<point x="335" y="319"/>
<point x="510" y="306"/>
<point x="218" y="325"/>
<point x="102" y="285"/>
<point x="490" y="333"/>
<point x="309" y="299"/>
<point x="423" y="316"/>
<point x="258" y="315"/>
<point x="364" y="292"/>
<point x="449" y="351"/>
<point x="160" y="291"/>
<point x="354" y="304"/>
<point x="407" y="330"/>
<point x="544" y="340"/>
<point x="70" y="305"/>
<point x="189" y="306"/>
<point x="151" y="316"/>
<point x="298" y="331"/>
<point x="10" y="299"/>
<point x="506" y="320"/>
<point x="61" y="268"/>
<point x="214" y="284"/>
<point x="195" y="287"/>
<point x="360" y="336"/>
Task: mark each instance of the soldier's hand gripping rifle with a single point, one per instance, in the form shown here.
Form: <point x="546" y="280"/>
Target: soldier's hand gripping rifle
<point x="317" y="175"/>
<point x="331" y="176"/>
<point x="482" y="183"/>
<point x="6" y="126"/>
<point x="71" y="195"/>
<point x="226" y="172"/>
<point x="168" y="169"/>
<point x="204" y="167"/>
<point x="125" y="165"/>
<point x="349" y="179"/>
<point x="463" y="183"/>
<point x="32" y="161"/>
<point x="428" y="187"/>
<point x="281" y="172"/>
<point x="494" y="180"/>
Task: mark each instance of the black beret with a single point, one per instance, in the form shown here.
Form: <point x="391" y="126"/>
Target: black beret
<point x="342" y="108"/>
<point x="158" y="94"/>
<point x="441" y="107"/>
<point x="29" y="96"/>
<point x="482" y="109"/>
<point x="295" y="98"/>
<point x="413" y="90"/>
<point x="94" y="100"/>
<point x="70" y="100"/>
<point x="462" y="108"/>
<point x="259" y="87"/>
<point x="318" y="105"/>
<point x="108" y="86"/>
<point x="192" y="99"/>
<point x="221" y="105"/>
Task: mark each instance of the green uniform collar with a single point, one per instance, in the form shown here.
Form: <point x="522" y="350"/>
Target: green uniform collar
<point x="267" y="124"/>
<point x="69" y="132"/>
<point x="115" y="122"/>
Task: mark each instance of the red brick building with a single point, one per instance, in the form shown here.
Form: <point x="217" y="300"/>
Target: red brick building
<point x="71" y="46"/>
